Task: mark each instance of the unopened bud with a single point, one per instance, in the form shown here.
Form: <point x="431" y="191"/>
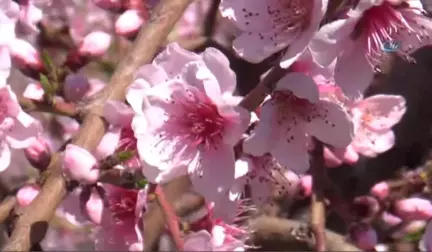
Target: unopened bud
<point x="306" y="185"/>
<point x="39" y="154"/>
<point x="414" y="209"/>
<point x="95" y="44"/>
<point x="94" y="207"/>
<point x="364" y="236"/>
<point x="75" y="87"/>
<point x="380" y="190"/>
<point x="129" y="23"/>
<point x="26" y="58"/>
<point x="115" y="6"/>
<point x="27" y="194"/>
<point x="80" y="165"/>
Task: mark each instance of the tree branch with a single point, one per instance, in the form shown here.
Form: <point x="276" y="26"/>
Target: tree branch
<point x="318" y="217"/>
<point x="271" y="233"/>
<point x="59" y="107"/>
<point x="32" y="221"/>
<point x="6" y="206"/>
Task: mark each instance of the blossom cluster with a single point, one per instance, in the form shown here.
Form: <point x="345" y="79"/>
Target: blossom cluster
<point x="182" y="115"/>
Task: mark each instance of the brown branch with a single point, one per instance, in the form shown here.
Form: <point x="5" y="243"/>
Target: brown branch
<point x="271" y="233"/>
<point x="170" y="218"/>
<point x="318" y="217"/>
<point x="59" y="107"/>
<point x="6" y="206"/>
<point x="254" y="98"/>
<point x="32" y="221"/>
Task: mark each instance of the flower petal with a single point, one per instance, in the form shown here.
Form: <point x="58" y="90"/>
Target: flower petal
<point x="219" y="65"/>
<point x="212" y="171"/>
<point x="237" y="121"/>
<point x="5" y="157"/>
<point x="300" y="85"/>
<point x="353" y="72"/>
<point x="332" y="125"/>
<point x="118" y="113"/>
<point x="265" y="134"/>
<point x="20" y="137"/>
<point x="198" y="241"/>
<point x="173" y="58"/>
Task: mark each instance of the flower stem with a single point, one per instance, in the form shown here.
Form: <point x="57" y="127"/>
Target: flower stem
<point x="170" y="217"/>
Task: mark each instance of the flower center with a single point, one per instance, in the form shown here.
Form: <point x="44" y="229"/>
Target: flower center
<point x="127" y="139"/>
<point x="199" y="123"/>
<point x="122" y="204"/>
<point x="386" y="28"/>
<point x="291" y="14"/>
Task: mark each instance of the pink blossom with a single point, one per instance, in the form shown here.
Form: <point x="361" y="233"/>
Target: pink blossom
<point x="129" y="23"/>
<point x="373" y="119"/>
<point x="30" y="15"/>
<point x="27" y="194"/>
<point x="80" y="165"/>
<point x="190" y="121"/>
<point x="25" y="56"/>
<point x="75" y="87"/>
<point x="9" y="13"/>
<point x="270" y="26"/>
<point x="39" y="154"/>
<point x="414" y="209"/>
<point x="95" y="44"/>
<point x="381" y="190"/>
<point x="17" y="128"/>
<point x="364" y="236"/>
<point x="265" y="175"/>
<point x="357" y="41"/>
<point x="120" y="224"/>
<point x="293" y="112"/>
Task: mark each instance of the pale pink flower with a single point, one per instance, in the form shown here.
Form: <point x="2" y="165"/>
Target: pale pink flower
<point x="9" y="13"/>
<point x="121" y="224"/>
<point x="95" y="44"/>
<point x="414" y="209"/>
<point x="359" y="39"/>
<point x="27" y="194"/>
<point x="292" y="113"/>
<point x="373" y="119"/>
<point x="75" y="87"/>
<point x="79" y="164"/>
<point x="189" y="122"/>
<point x="30" y="15"/>
<point x="265" y="175"/>
<point x="270" y="26"/>
<point x="129" y="23"/>
<point x="18" y="130"/>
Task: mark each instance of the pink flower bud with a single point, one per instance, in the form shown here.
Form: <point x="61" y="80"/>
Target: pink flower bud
<point x="26" y="194"/>
<point x="26" y="58"/>
<point x="129" y="23"/>
<point x="364" y="236"/>
<point x="306" y="185"/>
<point x="95" y="44"/>
<point x="94" y="207"/>
<point x="75" y="87"/>
<point x="115" y="6"/>
<point x="389" y="220"/>
<point x="80" y="165"/>
<point x="380" y="190"/>
<point x="414" y="209"/>
<point x="39" y="154"/>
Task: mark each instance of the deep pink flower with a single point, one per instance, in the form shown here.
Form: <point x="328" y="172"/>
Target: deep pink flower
<point x="359" y="40"/>
<point x="120" y="224"/>
<point x="270" y="26"/>
<point x="187" y="120"/>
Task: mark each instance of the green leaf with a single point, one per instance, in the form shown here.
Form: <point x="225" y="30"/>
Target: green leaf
<point x="47" y="60"/>
<point x="125" y="155"/>
<point x="46" y="85"/>
<point x="142" y="183"/>
<point x="414" y="236"/>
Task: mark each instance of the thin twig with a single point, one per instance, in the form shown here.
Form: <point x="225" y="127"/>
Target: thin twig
<point x="59" y="107"/>
<point x="6" y="206"/>
<point x="271" y="233"/>
<point x="254" y="98"/>
<point x="318" y="217"/>
<point x="32" y="221"/>
<point x="170" y="218"/>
